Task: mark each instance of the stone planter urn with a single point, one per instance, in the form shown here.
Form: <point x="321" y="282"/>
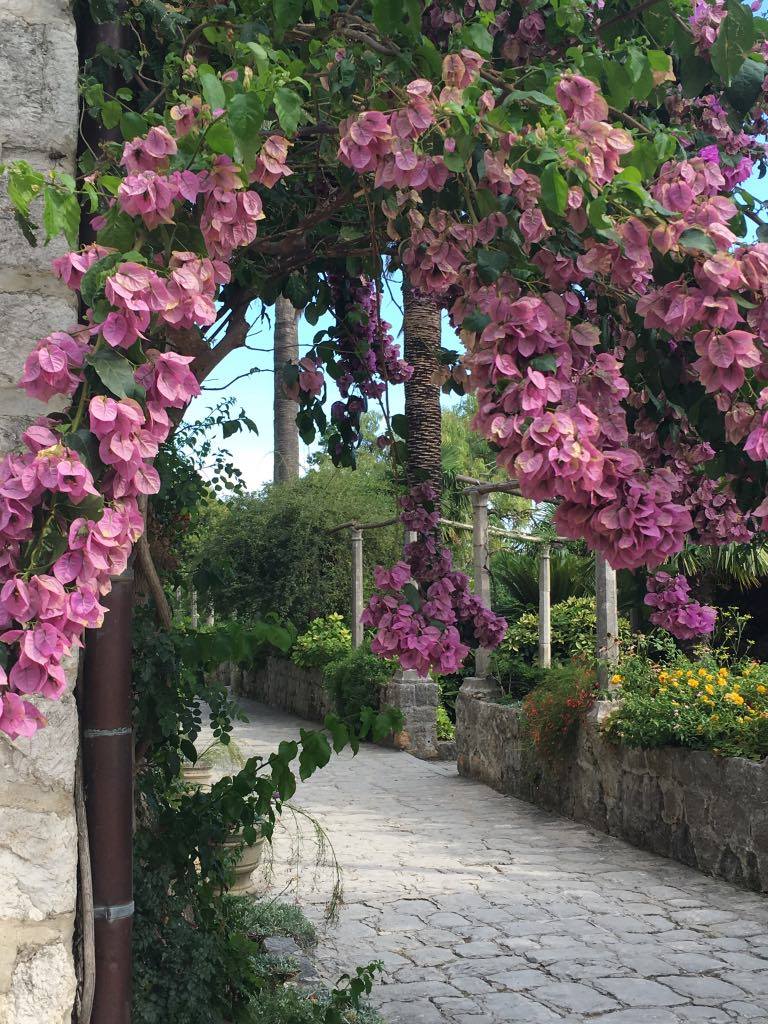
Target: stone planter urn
<point x="247" y="861"/>
<point x="199" y="776"/>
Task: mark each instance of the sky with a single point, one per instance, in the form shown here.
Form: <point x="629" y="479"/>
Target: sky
<point x="253" y="453"/>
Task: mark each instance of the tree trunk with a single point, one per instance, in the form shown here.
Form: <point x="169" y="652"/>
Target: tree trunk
<point x="422" y="331"/>
<point x="286" y="464"/>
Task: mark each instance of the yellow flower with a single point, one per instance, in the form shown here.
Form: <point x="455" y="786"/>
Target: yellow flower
<point x="693" y="683"/>
<point x="722" y="671"/>
<point x="663" y="677"/>
<point x="733" y="697"/>
<point x="761" y="689"/>
<point x="709" y="688"/>
<point x="616" y="678"/>
<point x="703" y="672"/>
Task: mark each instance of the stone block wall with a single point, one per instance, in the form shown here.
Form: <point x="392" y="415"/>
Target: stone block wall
<point x="708" y="812"/>
<point x="38" y="840"/>
<point x="281" y="684"/>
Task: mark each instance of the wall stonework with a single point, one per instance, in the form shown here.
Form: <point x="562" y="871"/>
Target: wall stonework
<point x="281" y="684"/>
<point x="702" y="810"/>
<point x="38" y="840"/>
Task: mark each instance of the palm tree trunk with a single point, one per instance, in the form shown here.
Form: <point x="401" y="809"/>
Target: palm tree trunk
<point x="286" y="440"/>
<point x="422" y="332"/>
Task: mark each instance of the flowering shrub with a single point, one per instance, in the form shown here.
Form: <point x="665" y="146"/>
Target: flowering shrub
<point x="574" y="627"/>
<point x="427" y="617"/>
<point x="674" y="609"/>
<point x="553" y="710"/>
<point x="327" y="639"/>
<point x="692" y="704"/>
<point x="568" y="192"/>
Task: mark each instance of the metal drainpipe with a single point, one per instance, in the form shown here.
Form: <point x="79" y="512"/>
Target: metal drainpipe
<point x="108" y="779"/>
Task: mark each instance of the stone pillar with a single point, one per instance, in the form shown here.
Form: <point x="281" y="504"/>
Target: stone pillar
<point x="38" y="836"/>
<point x="356" y="538"/>
<point x="194" y="614"/>
<point x="418" y="699"/>
<point x="481" y="684"/>
<point x="607" y="618"/>
<point x="545" y="609"/>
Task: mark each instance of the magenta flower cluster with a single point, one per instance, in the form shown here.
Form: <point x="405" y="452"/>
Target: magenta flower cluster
<point x="426" y="616"/>
<point x="63" y="533"/>
<point x="670" y="597"/>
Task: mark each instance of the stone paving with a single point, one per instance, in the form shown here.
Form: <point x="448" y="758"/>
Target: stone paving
<point x="486" y="909"/>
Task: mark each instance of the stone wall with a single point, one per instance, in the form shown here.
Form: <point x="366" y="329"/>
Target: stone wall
<point x="38" y="843"/>
<point x="281" y="684"/>
<point x="705" y="811"/>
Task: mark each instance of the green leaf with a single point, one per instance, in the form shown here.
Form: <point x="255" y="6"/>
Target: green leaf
<point x="111" y="113"/>
<point x="220" y="139"/>
<point x="401" y="17"/>
<point x="554" y="189"/>
<point x="213" y="91"/>
<point x="476" y="321"/>
<point x="620" y="87"/>
<point x="696" y="240"/>
<point x="695" y="73"/>
<point x="288" y="109"/>
<point x="315" y="752"/>
<point x="491" y="264"/>
<point x="734" y="41"/>
<point x="133" y="125"/>
<point x="477" y="37"/>
<point x="530" y="95"/>
<point x="400" y="425"/>
<point x="119" y="231"/>
<point x="287" y="13"/>
<point x="643" y="156"/>
<point x="546" y="363"/>
<point x="24" y="185"/>
<point x="95" y="276"/>
<point x="61" y="214"/>
<point x="115" y="373"/>
<point x="246" y="116"/>
<point x="640" y="73"/>
<point x="746" y="86"/>
<point x="596" y="214"/>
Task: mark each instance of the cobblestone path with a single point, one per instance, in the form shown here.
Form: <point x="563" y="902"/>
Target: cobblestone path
<point x="486" y="909"/>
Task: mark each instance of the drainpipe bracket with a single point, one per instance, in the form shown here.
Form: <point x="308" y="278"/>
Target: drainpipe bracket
<point x="115" y="912"/>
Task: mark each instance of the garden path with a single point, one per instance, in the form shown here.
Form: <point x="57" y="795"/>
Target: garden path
<point x="487" y="909"/>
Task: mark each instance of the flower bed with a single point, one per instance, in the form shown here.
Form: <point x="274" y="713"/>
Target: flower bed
<point x="706" y="811"/>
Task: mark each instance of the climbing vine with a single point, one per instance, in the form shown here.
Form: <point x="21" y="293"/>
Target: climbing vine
<point x="567" y="179"/>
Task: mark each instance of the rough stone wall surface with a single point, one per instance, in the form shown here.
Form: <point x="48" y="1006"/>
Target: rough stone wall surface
<point x="702" y="810"/>
<point x="281" y="684"/>
<point x="38" y="846"/>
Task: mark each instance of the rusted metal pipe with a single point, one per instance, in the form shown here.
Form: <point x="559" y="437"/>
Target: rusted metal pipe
<point x="108" y="780"/>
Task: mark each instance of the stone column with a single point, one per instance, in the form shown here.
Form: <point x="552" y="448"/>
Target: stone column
<point x="545" y="608"/>
<point x="356" y="538"/>
<point x="38" y="836"/>
<point x="480" y="684"/>
<point x="607" y="618"/>
<point x="417" y="697"/>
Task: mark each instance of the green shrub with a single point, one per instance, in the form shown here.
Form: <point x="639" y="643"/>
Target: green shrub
<point x="515" y="676"/>
<point x="327" y="639"/>
<point x="553" y="710"/>
<point x="355" y="681"/>
<point x="697" y="704"/>
<point x="301" y="1006"/>
<point x="446" y="730"/>
<point x="574" y="627"/>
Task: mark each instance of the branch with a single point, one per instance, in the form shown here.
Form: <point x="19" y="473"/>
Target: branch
<point x="147" y="566"/>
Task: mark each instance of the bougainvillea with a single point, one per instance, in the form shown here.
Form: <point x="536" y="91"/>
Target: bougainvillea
<point x="670" y="597"/>
<point x="425" y="616"/>
<point x="566" y="181"/>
